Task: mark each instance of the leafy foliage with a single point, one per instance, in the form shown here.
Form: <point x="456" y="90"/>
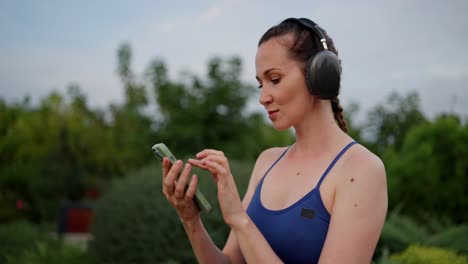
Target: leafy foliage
<point x="23" y="242"/>
<point x="55" y="151"/>
<point x="17" y="237"/>
<point x="135" y="223"/>
<point x="61" y="147"/>
<point x="209" y="113"/>
<point x="428" y="255"/>
<point x="46" y="253"/>
<point x="428" y="175"/>
<point x="390" y="122"/>
<point x="399" y="232"/>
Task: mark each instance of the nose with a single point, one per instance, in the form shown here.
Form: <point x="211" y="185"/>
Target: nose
<point x="265" y="97"/>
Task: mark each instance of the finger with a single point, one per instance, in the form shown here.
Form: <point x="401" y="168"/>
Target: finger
<point x="216" y="167"/>
<point x="169" y="181"/>
<point x="182" y="181"/>
<point x="201" y="165"/>
<point x="222" y="160"/>
<point x="166" y="166"/>
<point x="206" y="152"/>
<point x="192" y="189"/>
<point x="197" y="163"/>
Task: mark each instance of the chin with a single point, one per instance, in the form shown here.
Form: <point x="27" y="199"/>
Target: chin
<point x="280" y="127"/>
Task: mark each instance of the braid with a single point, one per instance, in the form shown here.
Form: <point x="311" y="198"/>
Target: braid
<point x="338" y="113"/>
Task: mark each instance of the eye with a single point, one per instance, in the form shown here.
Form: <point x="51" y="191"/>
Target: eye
<point x="275" y="80"/>
<point x="260" y="86"/>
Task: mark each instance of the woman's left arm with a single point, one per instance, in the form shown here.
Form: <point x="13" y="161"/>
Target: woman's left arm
<point x="358" y="214"/>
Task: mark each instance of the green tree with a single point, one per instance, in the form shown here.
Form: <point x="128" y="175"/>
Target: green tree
<point x="390" y="122"/>
<point x="354" y="129"/>
<point x="135" y="94"/>
<point x="61" y="147"/>
<point x="427" y="176"/>
<point x="131" y="133"/>
<point x="200" y="113"/>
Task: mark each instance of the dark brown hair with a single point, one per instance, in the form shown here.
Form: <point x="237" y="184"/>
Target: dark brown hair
<point x="305" y="45"/>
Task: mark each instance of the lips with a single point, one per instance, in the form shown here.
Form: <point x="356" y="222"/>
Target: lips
<point x="272" y="113"/>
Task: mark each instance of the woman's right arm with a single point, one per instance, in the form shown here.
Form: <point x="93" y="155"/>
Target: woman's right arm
<point x="232" y="247"/>
<point x="174" y="190"/>
<point x="204" y="248"/>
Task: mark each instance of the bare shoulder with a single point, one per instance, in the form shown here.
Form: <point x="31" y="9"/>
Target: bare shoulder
<point x="365" y="165"/>
<point x="265" y="160"/>
<point x="359" y="208"/>
<point x="365" y="180"/>
<point x="271" y="154"/>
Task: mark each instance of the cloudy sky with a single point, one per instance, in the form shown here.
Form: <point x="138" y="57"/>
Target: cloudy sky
<point x="385" y="46"/>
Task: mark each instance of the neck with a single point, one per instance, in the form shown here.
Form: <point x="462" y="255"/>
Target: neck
<point x="319" y="131"/>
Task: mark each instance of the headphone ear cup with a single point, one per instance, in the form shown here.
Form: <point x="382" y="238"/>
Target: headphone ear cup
<point x="323" y="75"/>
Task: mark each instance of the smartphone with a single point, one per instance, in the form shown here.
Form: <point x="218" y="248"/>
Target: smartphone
<point x="161" y="151"/>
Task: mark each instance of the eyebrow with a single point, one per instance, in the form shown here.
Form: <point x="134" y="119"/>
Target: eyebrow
<point x="266" y="72"/>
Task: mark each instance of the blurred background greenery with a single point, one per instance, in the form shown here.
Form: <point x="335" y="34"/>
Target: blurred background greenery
<point x="61" y="150"/>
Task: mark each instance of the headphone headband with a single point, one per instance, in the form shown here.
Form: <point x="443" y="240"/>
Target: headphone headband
<point x="310" y="25"/>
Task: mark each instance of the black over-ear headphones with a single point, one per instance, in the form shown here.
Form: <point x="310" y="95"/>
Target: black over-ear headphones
<point x="323" y="70"/>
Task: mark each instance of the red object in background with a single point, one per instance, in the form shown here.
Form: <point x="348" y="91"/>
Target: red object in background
<point x="93" y="194"/>
<point x="79" y="220"/>
<point x="19" y="204"/>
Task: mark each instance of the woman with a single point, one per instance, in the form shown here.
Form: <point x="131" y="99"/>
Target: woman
<point x="321" y="200"/>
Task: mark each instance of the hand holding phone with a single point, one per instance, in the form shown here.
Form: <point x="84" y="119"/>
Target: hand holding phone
<point x="161" y="151"/>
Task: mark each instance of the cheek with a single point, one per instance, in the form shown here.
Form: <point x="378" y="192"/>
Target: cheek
<point x="294" y="93"/>
<point x="296" y="104"/>
<point x="291" y="90"/>
<point x="285" y="98"/>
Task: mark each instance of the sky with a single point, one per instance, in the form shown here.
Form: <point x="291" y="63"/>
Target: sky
<point x="384" y="46"/>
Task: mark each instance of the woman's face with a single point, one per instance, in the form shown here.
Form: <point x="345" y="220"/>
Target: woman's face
<point x="284" y="92"/>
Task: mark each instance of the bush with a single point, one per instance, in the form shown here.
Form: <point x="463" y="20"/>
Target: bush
<point x="47" y="253"/>
<point x="16" y="237"/>
<point x="455" y="238"/>
<point x="427" y="175"/>
<point x="428" y="255"/>
<point x="134" y="223"/>
<point x="400" y="231"/>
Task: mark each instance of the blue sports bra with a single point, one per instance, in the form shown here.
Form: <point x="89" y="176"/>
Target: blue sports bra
<point x="296" y="233"/>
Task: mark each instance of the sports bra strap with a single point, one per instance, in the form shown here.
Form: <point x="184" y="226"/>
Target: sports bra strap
<point x="276" y="161"/>
<point x="334" y="161"/>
